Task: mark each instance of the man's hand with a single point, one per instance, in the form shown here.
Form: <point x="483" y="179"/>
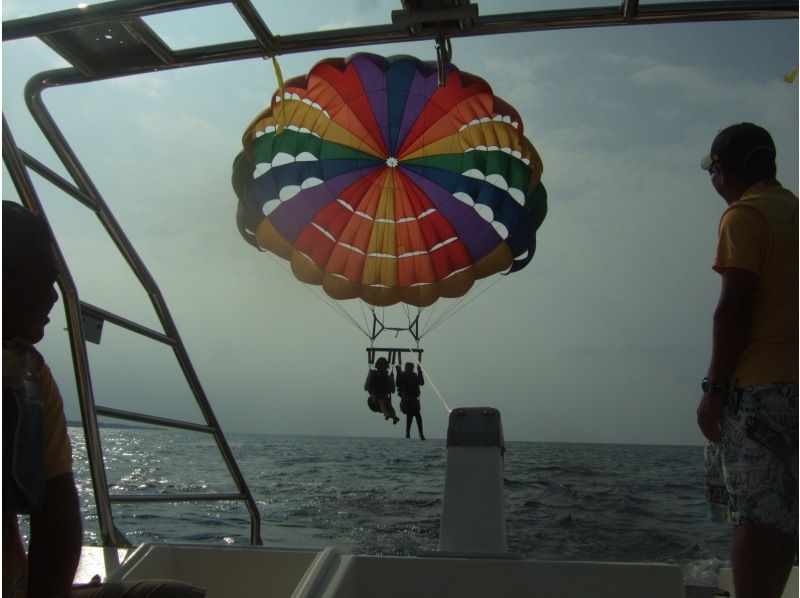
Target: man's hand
<point x="709" y="415"/>
<point x="732" y="321"/>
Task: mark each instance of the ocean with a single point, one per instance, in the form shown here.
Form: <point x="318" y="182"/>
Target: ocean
<point x="630" y="503"/>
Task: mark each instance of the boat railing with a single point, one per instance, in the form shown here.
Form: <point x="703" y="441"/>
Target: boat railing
<point x="85" y="320"/>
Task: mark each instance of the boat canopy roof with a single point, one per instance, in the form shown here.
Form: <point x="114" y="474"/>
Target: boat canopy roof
<point x="112" y="39"/>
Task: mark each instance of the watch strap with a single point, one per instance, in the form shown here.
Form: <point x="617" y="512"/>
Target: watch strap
<point x="709" y="386"/>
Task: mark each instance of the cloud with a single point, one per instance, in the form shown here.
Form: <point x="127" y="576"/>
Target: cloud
<point x="334" y="25"/>
<point x="688" y="83"/>
<point x="150" y="85"/>
<point x="14" y="9"/>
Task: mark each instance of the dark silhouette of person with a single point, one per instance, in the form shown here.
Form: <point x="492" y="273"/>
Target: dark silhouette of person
<point x="408" y="383"/>
<point x="380" y="385"/>
<point x="748" y="410"/>
<point x="37" y="455"/>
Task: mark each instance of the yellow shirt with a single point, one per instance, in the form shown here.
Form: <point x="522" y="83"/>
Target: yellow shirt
<point x="57" y="452"/>
<point x="759" y="233"/>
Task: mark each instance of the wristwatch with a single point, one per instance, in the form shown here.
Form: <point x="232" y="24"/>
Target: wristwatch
<point x="709" y="387"/>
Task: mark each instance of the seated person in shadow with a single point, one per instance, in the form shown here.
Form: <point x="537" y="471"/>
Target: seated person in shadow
<point x="37" y="455"/>
<point x="380" y="385"/>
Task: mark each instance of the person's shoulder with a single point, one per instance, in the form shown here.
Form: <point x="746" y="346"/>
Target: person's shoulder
<point x="765" y="193"/>
<point x="45" y="376"/>
<point x="51" y="395"/>
<point x="762" y="203"/>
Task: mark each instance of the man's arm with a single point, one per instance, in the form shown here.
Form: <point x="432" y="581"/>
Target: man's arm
<point x="732" y="319"/>
<point x="55" y="542"/>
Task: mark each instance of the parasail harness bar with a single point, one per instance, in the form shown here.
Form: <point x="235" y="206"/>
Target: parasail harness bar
<point x="378" y="327"/>
<point x="394" y="355"/>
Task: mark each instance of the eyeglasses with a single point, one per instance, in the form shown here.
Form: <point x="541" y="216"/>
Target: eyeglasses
<point x="707" y="163"/>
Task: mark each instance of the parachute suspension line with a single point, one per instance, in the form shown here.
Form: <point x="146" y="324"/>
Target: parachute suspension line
<point x="434" y="319"/>
<point x="319" y="294"/>
<point x="429" y="317"/>
<point x="362" y="303"/>
<point x="461" y="303"/>
<point x="413" y="322"/>
<point x="447" y="312"/>
<point x="455" y="304"/>
<point x="341" y="311"/>
<point x="373" y="334"/>
<point x="444" y="314"/>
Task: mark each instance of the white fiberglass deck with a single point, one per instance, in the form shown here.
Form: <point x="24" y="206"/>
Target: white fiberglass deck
<point x="239" y="572"/>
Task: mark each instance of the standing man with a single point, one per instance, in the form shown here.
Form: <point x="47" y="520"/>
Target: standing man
<point x="748" y="411"/>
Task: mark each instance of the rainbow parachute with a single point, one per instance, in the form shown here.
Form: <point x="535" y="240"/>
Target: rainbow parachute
<point x="378" y="184"/>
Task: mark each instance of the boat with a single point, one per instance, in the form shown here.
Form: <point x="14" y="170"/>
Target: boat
<point x="113" y="40"/>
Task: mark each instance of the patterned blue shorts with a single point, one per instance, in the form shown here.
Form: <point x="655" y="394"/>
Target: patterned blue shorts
<point x="751" y="475"/>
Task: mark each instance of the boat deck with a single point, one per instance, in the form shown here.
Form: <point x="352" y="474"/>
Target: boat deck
<point x="233" y="571"/>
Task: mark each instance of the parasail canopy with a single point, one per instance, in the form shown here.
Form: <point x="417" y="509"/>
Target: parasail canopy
<point x="376" y="183"/>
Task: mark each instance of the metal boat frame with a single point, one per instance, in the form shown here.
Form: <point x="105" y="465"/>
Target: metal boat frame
<point x="111" y="39"/>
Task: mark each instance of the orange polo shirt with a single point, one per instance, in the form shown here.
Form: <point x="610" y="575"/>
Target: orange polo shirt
<point x="759" y="233"/>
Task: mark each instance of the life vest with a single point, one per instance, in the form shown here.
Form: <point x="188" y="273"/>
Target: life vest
<point x="408" y="385"/>
<point x="380" y="385"/>
<point x="23" y="446"/>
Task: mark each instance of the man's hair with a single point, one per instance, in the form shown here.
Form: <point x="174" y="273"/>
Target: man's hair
<point x="747" y="151"/>
<point x="26" y="238"/>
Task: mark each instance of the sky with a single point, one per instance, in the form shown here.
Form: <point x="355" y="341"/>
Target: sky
<point x="603" y="337"/>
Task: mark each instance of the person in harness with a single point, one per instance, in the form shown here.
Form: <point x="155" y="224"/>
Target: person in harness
<point x="380" y="386"/>
<point x="408" y="383"/>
